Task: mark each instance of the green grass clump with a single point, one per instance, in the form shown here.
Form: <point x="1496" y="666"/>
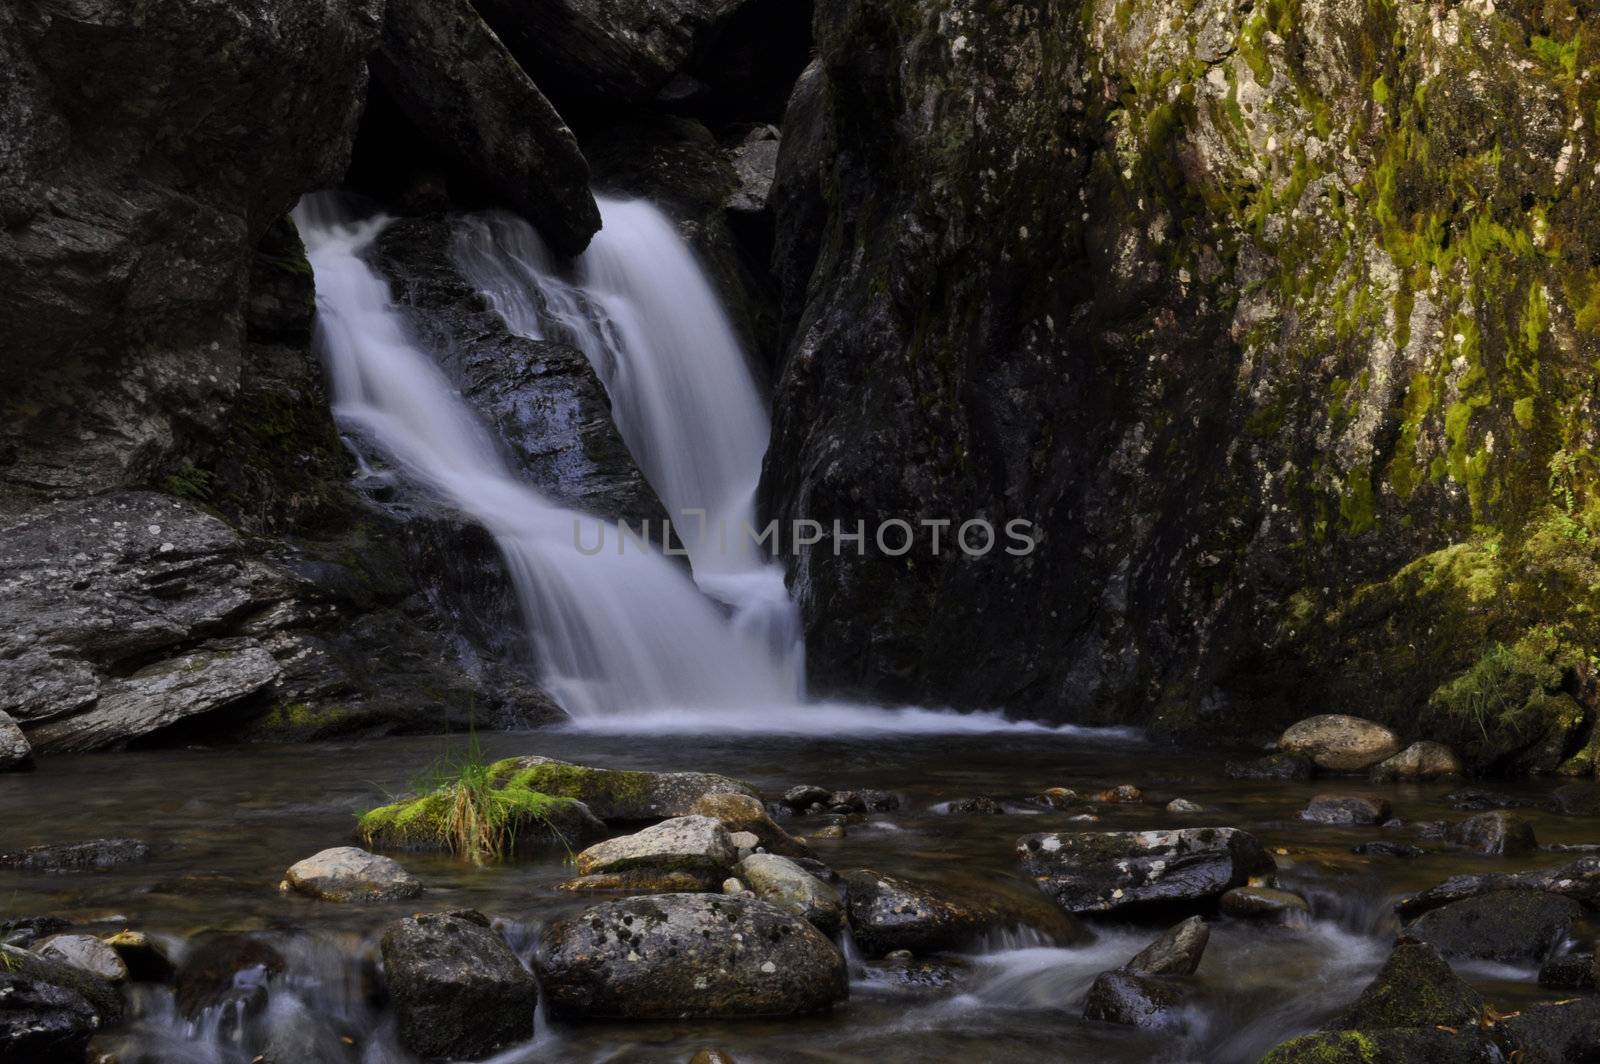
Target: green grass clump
<point x="463" y="806"/>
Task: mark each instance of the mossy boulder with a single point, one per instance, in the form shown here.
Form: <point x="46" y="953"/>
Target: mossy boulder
<point x="1415" y="988"/>
<point x="616" y="795"/>
<point x="1403" y="1046"/>
<point x="531" y="819"/>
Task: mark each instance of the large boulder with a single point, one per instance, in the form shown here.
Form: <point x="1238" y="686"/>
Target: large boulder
<point x="1520" y="926"/>
<point x="619" y="795"/>
<point x="459" y="86"/>
<point x="1337" y="742"/>
<point x="15" y="753"/>
<point x="693" y="845"/>
<point x="1112" y="871"/>
<point x="785" y="884"/>
<point x="347" y="873"/>
<point x="677" y="956"/>
<point x="1579" y="880"/>
<point x="459" y="992"/>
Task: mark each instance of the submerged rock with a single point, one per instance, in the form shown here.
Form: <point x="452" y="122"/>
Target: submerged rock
<point x="1112" y="871"/>
<point x="742" y="813"/>
<point x="694" y="845"/>
<point x="1386" y="848"/>
<point x="1183" y="805"/>
<point x="1177" y="952"/>
<point x="1414" y="988"/>
<point x="1419" y="761"/>
<point x="1134" y="1000"/>
<point x="643" y="881"/>
<point x="1123" y="793"/>
<point x="785" y="884"/>
<point x="698" y="956"/>
<point x="1346" y="809"/>
<point x="1507" y="925"/>
<point x="456" y="82"/>
<point x="1576" y="799"/>
<point x="346" y="873"/>
<point x="1579" y="880"/>
<point x="982" y="805"/>
<point x="1473" y="798"/>
<point x="1265" y="903"/>
<point x="77" y="856"/>
<point x="223" y="968"/>
<point x="15" y="753"/>
<point x="1497" y="833"/>
<point x="86" y="952"/>
<point x="620" y="794"/>
<point x="1337" y="742"/>
<point x="459" y="992"/>
<point x="1281" y="767"/>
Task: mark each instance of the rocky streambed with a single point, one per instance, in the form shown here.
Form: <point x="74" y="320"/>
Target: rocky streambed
<point x="886" y="897"/>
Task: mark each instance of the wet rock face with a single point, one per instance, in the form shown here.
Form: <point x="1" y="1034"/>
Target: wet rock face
<point x="1117" y="870"/>
<point x="346" y="873"/>
<point x="688" y="956"/>
<point x="1559" y="1031"/>
<point x="459" y="992"/>
<point x="1506" y="925"/>
<point x="456" y="82"/>
<point x="125" y="322"/>
<point x="1098" y="273"/>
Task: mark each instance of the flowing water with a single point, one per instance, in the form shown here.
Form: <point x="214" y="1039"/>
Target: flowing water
<point x="225" y="823"/>
<point x="638" y="306"/>
<point x="617" y="632"/>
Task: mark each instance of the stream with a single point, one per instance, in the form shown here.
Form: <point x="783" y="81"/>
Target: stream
<point x="223" y="824"/>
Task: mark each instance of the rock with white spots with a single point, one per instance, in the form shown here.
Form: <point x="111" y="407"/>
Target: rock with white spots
<point x="1111" y="871"/>
<point x="688" y="956"/>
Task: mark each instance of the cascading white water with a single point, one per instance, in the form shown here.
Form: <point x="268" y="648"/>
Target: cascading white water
<point x="617" y="633"/>
<point x="683" y="397"/>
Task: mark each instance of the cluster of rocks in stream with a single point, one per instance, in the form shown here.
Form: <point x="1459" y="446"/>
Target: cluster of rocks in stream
<point x="726" y="911"/>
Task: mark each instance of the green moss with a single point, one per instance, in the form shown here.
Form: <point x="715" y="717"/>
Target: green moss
<point x="1560" y="55"/>
<point x="1332" y="1047"/>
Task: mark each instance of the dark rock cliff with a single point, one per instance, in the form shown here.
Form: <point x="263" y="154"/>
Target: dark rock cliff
<point x="1252" y="310"/>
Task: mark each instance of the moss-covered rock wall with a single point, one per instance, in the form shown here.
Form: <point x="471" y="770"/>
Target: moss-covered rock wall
<point x="1253" y="309"/>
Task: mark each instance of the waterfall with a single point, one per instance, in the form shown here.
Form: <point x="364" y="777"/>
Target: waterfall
<point x="616" y="633"/>
<point x="640" y="308"/>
